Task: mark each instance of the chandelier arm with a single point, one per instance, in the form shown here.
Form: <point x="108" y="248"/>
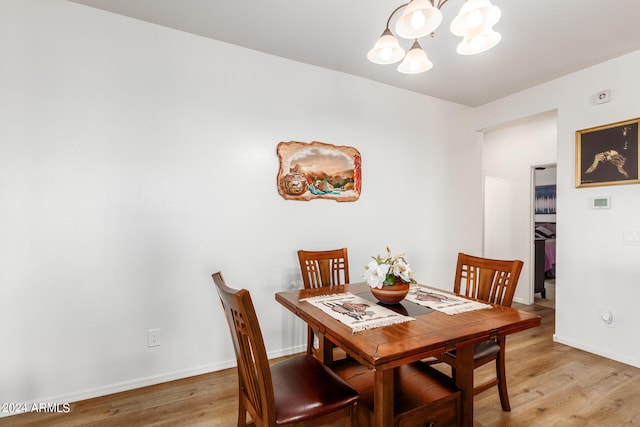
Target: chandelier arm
<point x="441" y="3"/>
<point x="394" y="12"/>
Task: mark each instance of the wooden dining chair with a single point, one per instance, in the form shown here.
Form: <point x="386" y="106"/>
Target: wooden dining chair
<point x="493" y="281"/>
<point x="322" y="268"/>
<point x="294" y="392"/>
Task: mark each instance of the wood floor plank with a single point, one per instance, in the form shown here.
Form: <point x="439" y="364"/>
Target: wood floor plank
<point x="549" y="384"/>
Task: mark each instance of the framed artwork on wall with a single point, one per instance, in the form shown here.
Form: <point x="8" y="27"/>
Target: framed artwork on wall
<point x="545" y="199"/>
<point x="608" y="155"/>
<point x="318" y="170"/>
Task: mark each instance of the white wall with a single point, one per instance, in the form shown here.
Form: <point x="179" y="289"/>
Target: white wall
<point x="509" y="153"/>
<point x="595" y="270"/>
<point x="137" y="160"/>
<point x="547" y="175"/>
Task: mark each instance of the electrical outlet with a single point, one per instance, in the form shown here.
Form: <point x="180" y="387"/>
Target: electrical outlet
<point x="153" y="337"/>
<point x="607" y="318"/>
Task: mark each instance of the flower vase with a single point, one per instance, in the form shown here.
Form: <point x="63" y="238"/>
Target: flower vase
<point x="391" y="294"/>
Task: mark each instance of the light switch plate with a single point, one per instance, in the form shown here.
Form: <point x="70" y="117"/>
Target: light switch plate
<point x="631" y="237"/>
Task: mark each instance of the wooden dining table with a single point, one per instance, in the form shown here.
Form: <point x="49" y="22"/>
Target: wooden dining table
<point x="384" y="349"/>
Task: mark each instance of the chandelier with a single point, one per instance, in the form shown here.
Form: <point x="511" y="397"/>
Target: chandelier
<point x="419" y="18"/>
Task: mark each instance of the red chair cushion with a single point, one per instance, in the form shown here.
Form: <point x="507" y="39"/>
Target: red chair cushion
<point x="304" y="388"/>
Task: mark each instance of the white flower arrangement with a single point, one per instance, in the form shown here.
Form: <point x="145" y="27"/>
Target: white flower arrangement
<point x="385" y="271"/>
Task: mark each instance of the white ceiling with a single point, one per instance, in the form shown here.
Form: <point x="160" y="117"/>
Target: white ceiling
<point x="541" y="39"/>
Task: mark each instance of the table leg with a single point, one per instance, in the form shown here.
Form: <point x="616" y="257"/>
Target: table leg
<point x="383" y="398"/>
<point x="325" y="350"/>
<point x="464" y="381"/>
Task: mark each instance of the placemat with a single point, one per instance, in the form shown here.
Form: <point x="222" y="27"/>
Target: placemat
<point x="441" y="301"/>
<point x="356" y="312"/>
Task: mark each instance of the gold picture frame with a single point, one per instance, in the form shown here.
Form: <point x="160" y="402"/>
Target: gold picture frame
<point x="318" y="170"/>
<point x="608" y="154"/>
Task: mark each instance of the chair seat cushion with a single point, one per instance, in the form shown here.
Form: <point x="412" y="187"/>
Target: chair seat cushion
<point x="482" y="350"/>
<point x="304" y="388"/>
<point x="486" y="348"/>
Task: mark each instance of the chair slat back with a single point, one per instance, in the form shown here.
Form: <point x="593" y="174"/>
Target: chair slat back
<point x="487" y="279"/>
<point x="324" y="268"/>
<point x="254" y="374"/>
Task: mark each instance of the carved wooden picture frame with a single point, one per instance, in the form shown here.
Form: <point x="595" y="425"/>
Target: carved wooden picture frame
<point x="318" y="170"/>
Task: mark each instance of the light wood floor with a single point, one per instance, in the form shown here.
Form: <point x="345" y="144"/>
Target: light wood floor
<point x="549" y="385"/>
<point x="550" y="297"/>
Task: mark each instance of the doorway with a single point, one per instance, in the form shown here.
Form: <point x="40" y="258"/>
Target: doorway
<point x="543" y="228"/>
<point x="509" y="155"/>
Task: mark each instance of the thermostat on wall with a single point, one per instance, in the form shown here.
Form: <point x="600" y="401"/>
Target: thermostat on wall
<point x="601" y="202"/>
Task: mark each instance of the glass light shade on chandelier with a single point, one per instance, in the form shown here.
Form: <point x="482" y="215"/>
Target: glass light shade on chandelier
<point x="415" y="61"/>
<point x="419" y="18"/>
<point x="479" y="42"/>
<point x="387" y="50"/>
<point x="475" y="17"/>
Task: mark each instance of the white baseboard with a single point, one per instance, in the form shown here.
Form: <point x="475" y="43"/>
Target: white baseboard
<point x="598" y="351"/>
<point x="122" y="386"/>
<point x="144" y="382"/>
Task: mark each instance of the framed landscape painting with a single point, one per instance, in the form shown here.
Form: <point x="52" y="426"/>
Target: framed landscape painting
<point x="607" y="155"/>
<point x="318" y="170"/>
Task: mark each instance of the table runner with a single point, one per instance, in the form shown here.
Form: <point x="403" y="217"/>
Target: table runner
<point x="441" y="301"/>
<point x="356" y="312"/>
